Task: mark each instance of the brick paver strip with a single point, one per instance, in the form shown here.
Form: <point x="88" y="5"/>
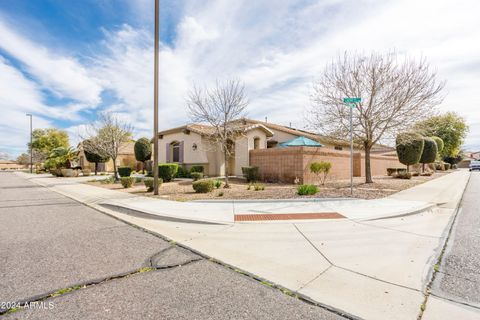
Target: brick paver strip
<point x="288" y="216"/>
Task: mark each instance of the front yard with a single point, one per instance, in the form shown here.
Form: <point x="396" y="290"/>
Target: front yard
<point x="181" y="190"/>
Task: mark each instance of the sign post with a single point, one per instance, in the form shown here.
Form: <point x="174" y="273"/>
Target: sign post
<point x="352" y="103"/>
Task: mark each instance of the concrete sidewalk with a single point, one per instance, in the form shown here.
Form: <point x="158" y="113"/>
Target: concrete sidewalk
<point x="446" y="189"/>
<point x="372" y="268"/>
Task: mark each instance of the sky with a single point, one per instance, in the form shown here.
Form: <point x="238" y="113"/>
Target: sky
<point x="66" y="61"/>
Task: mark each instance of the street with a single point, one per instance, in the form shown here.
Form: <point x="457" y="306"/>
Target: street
<point x="66" y="260"/>
<point x="458" y="278"/>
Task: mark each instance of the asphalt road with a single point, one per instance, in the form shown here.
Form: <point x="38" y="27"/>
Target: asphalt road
<point x="458" y="278"/>
<point x="68" y="261"/>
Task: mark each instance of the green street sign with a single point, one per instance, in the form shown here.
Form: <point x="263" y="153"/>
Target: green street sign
<point x="352" y="100"/>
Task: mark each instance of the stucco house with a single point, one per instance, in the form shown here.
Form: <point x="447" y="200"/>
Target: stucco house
<point x="126" y="157"/>
<point x="192" y="144"/>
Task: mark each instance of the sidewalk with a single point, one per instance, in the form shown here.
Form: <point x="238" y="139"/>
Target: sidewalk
<point x="375" y="269"/>
<point x="445" y="189"/>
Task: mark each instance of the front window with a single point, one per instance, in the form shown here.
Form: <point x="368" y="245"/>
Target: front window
<point x="175" y="152"/>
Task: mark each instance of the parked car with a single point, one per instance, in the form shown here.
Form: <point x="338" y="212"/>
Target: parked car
<point x="474" y="165"/>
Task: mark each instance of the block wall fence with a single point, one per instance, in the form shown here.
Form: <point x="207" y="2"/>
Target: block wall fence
<point x="287" y="164"/>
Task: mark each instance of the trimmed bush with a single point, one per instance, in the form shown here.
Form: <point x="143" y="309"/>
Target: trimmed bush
<point x="430" y="151"/>
<point x="401" y="170"/>
<point x="307" y="189"/>
<point x="196" y="176"/>
<point x="143" y="151"/>
<point x="203" y="186"/>
<point x="196" y="169"/>
<point x="167" y="171"/>
<point x="439" y="166"/>
<point x="321" y="170"/>
<point x="454" y="166"/>
<point x="127" y="182"/>
<point x="404" y="175"/>
<point x="124" y="171"/>
<point x="409" y="147"/>
<point x="439" y="143"/>
<point x="183" y="172"/>
<point x="217" y="184"/>
<point x="447" y="165"/>
<point x="148" y="182"/>
<point x="251" y="174"/>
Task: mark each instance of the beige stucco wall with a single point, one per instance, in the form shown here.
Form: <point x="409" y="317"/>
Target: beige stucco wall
<point x="190" y="156"/>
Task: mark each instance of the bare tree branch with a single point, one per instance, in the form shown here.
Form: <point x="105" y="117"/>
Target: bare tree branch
<point x="219" y="107"/>
<point x="395" y="94"/>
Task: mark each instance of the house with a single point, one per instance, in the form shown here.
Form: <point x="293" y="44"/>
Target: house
<point x="11" y="165"/>
<point x="194" y="144"/>
<point x="126" y="158"/>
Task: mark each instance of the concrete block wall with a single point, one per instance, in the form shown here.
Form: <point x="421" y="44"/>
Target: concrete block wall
<point x="288" y="164"/>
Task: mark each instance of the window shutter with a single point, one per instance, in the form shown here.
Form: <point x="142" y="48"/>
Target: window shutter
<point x="167" y="153"/>
<point x="180" y="156"/>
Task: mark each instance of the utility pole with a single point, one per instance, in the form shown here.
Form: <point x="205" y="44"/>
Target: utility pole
<point x="31" y="138"/>
<point x="155" y="100"/>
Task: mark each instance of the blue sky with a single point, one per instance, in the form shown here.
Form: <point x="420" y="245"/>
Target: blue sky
<point x="64" y="61"/>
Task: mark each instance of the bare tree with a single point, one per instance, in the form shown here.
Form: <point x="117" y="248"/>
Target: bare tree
<point x="394" y="95"/>
<point x="107" y="135"/>
<point x="219" y="107"/>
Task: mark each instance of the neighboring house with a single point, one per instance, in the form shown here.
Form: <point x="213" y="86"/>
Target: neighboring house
<point x="11" y="165"/>
<point x="126" y="158"/>
<point x="192" y="144"/>
<point x="469" y="156"/>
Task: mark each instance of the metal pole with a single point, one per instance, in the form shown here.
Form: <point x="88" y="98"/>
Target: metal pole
<point x="155" y="101"/>
<point x="351" y="150"/>
<point x="31" y="147"/>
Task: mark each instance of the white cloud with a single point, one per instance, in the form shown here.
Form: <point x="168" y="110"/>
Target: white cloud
<point x="62" y="75"/>
<point x="277" y="50"/>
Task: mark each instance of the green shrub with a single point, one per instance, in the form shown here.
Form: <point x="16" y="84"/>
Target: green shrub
<point x="321" y="170"/>
<point x="138" y="179"/>
<point x="143" y="150"/>
<point x="439" y="143"/>
<point x="124" y="171"/>
<point x="183" y="172"/>
<point x="203" y="186"/>
<point x="409" y="147"/>
<point x="258" y="187"/>
<point x="454" y="166"/>
<point x="404" y="175"/>
<point x="430" y="151"/>
<point x="401" y="170"/>
<point x="127" y="182"/>
<point x="196" y="176"/>
<point x="307" y="189"/>
<point x="217" y="184"/>
<point x="447" y="166"/>
<point x="196" y="168"/>
<point x="148" y="182"/>
<point x="167" y="171"/>
<point x="220" y="194"/>
<point x="251" y="174"/>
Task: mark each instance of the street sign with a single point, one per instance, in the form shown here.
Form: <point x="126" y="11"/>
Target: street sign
<point x="352" y="100"/>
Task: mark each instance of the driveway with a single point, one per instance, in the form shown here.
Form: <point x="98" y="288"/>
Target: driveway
<point x="64" y="260"/>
